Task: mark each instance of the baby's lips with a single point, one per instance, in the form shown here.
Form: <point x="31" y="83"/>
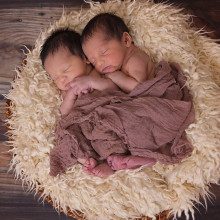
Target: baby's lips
<point x="105" y="69"/>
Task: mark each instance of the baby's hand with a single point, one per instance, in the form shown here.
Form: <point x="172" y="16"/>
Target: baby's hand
<point x="69" y="94"/>
<point x="81" y="85"/>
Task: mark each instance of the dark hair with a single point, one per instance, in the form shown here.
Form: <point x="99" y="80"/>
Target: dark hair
<point x="111" y="24"/>
<point x="62" y="38"/>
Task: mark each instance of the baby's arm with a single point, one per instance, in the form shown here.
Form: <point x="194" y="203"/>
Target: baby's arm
<point x="123" y="81"/>
<point x="69" y="99"/>
<point x="83" y="84"/>
<point x="139" y="69"/>
<point x="102" y="84"/>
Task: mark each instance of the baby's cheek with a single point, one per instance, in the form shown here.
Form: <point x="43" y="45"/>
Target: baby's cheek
<point x="61" y="87"/>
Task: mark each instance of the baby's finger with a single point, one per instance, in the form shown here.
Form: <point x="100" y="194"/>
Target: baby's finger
<point x="73" y="83"/>
<point x="74" y="89"/>
<point x="85" y="91"/>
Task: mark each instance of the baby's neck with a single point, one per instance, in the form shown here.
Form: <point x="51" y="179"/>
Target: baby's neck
<point x="129" y="53"/>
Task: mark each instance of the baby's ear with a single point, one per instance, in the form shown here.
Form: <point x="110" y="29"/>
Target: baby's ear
<point x="126" y="39"/>
<point x="86" y="60"/>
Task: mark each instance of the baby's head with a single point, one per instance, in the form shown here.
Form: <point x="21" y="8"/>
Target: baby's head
<point x="63" y="58"/>
<point x="105" y="41"/>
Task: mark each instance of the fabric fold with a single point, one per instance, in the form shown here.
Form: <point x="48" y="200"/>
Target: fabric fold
<point x="149" y="122"/>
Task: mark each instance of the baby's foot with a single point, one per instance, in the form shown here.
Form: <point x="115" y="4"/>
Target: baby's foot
<point x="118" y="162"/>
<point x="89" y="165"/>
<point x="102" y="170"/>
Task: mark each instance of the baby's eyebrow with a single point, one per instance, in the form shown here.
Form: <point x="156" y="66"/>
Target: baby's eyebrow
<point x="103" y="50"/>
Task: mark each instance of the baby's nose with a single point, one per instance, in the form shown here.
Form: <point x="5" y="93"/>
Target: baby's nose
<point x="63" y="78"/>
<point x="100" y="63"/>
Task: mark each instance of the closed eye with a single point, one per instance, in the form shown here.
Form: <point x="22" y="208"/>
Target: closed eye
<point x="67" y="69"/>
<point x="104" y="52"/>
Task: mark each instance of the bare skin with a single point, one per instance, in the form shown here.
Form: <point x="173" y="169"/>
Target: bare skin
<point x="102" y="170"/>
<point x="119" y="162"/>
<point x="92" y="167"/>
<point x="74" y="76"/>
<point x="89" y="165"/>
<point x="120" y="60"/>
<point x="115" y="162"/>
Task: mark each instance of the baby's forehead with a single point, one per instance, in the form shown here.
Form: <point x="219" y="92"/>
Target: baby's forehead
<point x="100" y="33"/>
<point x="62" y="49"/>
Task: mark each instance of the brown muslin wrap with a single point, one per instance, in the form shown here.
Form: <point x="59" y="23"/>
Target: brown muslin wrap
<point x="149" y="122"/>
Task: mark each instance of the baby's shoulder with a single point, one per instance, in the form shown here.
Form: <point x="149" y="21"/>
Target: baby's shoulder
<point x="139" y="58"/>
<point x="140" y="54"/>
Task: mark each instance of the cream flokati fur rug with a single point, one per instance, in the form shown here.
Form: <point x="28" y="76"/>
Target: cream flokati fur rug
<point x="164" y="32"/>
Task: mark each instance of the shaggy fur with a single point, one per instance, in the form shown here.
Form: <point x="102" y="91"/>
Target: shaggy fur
<point x="164" y="32"/>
